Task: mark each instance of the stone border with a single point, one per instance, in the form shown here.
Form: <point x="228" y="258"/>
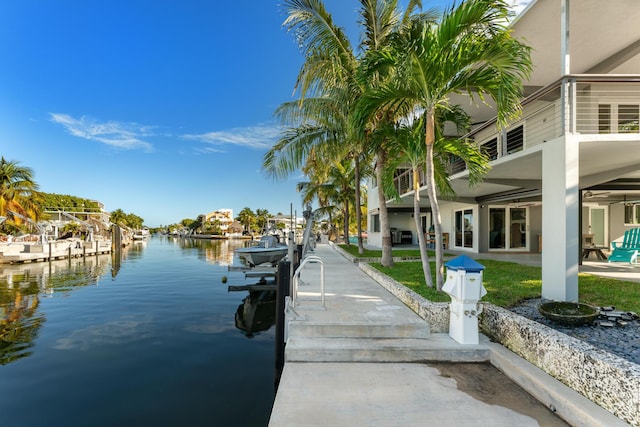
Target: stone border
<point x="606" y="379"/>
<point x="610" y="381"/>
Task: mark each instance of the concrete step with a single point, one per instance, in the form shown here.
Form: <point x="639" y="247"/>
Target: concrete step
<point x="307" y="329"/>
<point x="439" y="347"/>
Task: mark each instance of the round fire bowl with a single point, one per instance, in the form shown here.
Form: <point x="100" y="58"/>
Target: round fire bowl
<point x="569" y="313"/>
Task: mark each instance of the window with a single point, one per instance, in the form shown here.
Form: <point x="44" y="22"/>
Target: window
<point x="618" y="118"/>
<point x="497" y="230"/>
<point x="375" y="223"/>
<point x="515" y="140"/>
<point x="508" y="228"/>
<point x="632" y="214"/>
<point x="490" y="149"/>
<point x="604" y="118"/>
<point x="456" y="164"/>
<point x="464" y="228"/>
<point x="628" y="116"/>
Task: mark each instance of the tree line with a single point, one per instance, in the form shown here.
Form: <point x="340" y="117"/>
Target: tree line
<point x="21" y="204"/>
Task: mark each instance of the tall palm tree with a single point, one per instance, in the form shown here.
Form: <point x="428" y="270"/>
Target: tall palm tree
<point x="17" y="187"/>
<point x="470" y="50"/>
<point x="330" y="73"/>
<point x="383" y="23"/>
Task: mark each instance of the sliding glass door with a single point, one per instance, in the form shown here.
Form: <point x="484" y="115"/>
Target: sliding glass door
<point x="464" y="228"/>
<point x="508" y="228"/>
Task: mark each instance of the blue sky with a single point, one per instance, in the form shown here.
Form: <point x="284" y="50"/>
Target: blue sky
<point x="159" y="108"/>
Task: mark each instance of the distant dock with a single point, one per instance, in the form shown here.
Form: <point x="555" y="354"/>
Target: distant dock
<point x="18" y="252"/>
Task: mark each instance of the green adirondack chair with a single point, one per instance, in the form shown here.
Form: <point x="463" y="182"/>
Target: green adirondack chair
<point x="628" y="250"/>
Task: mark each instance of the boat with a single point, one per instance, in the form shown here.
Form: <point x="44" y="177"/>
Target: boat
<point x="268" y="250"/>
<point x="142" y="234"/>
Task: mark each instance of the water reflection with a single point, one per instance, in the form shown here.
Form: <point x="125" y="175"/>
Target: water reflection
<point x="19" y="324"/>
<point x="219" y="252"/>
<point x="257" y="312"/>
<point x="121" y="347"/>
<point x="22" y="286"/>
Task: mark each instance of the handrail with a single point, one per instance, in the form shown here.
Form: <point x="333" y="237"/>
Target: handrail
<point x="296" y="278"/>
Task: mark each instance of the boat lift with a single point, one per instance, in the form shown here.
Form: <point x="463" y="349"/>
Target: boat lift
<point x="90" y="227"/>
<point x="41" y="229"/>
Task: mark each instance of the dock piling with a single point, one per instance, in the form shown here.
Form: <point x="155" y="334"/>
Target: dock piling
<point x="283" y="277"/>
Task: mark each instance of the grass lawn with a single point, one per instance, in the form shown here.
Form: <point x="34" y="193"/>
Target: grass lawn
<point x="509" y="283"/>
<point x="377" y="253"/>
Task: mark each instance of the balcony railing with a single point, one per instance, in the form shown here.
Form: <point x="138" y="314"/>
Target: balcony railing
<point x="580" y="104"/>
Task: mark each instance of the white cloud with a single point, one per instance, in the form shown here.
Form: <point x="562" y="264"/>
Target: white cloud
<point x="209" y="150"/>
<point x="116" y="134"/>
<point x="261" y="136"/>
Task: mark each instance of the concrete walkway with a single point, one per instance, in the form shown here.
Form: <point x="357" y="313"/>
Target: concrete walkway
<point x="365" y="359"/>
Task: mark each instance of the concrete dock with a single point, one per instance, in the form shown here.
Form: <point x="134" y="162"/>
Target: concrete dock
<point x="365" y="359"/>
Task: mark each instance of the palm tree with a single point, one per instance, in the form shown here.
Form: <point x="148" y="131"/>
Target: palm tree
<point x="247" y="218"/>
<point x="330" y="74"/>
<point x="17" y="188"/>
<point x="262" y="219"/>
<point x="118" y="217"/>
<point x="407" y="143"/>
<point x="470" y="51"/>
<point x="341" y="178"/>
<point x="383" y="23"/>
<point x="134" y="221"/>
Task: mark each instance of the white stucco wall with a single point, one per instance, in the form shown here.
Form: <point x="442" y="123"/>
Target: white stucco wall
<point x="560" y="210"/>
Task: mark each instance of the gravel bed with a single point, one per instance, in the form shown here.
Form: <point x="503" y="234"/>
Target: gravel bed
<point x="623" y="341"/>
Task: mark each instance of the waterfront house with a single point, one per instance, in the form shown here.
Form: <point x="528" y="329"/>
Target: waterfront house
<point x="222" y="217"/>
<point x="567" y="174"/>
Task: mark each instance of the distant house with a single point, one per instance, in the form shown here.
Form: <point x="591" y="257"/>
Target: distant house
<point x="568" y="172"/>
<point x="223" y="217"/>
<point x="283" y="224"/>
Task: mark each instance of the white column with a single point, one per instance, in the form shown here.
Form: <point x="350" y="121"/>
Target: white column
<point x="560" y="210"/>
<point x="565" y="31"/>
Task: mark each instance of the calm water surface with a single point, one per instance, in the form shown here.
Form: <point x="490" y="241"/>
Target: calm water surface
<point x="150" y="340"/>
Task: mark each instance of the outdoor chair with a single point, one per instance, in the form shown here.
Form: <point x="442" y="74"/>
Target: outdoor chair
<point x="628" y="250"/>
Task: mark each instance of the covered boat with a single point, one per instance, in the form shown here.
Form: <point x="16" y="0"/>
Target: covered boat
<point x="268" y="250"/>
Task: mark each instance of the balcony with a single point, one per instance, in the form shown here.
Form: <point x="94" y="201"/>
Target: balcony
<point x="592" y="106"/>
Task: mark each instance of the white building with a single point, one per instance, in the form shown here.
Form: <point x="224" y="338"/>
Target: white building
<point x="224" y="218"/>
<point x="568" y="172"/>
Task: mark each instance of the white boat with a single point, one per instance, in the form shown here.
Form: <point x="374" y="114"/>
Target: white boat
<point x="141" y="234"/>
<point x="268" y="250"/>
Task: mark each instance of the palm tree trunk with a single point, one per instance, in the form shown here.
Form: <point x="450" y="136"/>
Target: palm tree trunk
<point x="433" y="199"/>
<point x="357" y="202"/>
<point x="330" y="231"/>
<point x="346" y="222"/>
<point x="424" y="256"/>
<point x="385" y="229"/>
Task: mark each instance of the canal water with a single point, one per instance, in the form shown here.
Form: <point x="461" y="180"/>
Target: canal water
<point x="150" y="338"/>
